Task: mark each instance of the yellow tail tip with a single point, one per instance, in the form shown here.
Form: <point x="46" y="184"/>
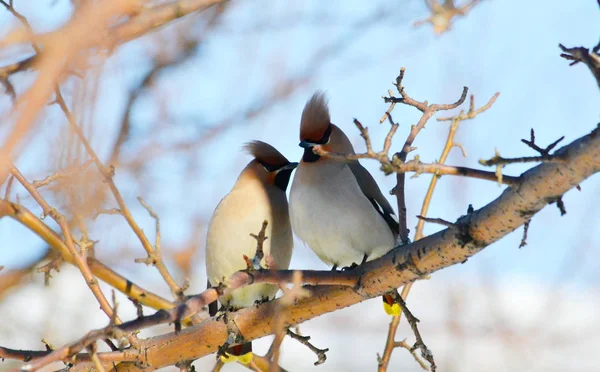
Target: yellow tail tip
<point x="392" y="310"/>
<point x="244" y="359"/>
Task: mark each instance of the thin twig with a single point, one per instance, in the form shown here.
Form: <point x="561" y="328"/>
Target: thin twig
<point x="525" y="230"/>
<point x="419" y="344"/>
<point x="108" y="178"/>
<point x="403" y="344"/>
<point x="54" y="264"/>
<point x="78" y="259"/>
<point x="260" y="240"/>
<point x="499" y="160"/>
<point x="62" y="174"/>
<point x="428" y="111"/>
<point x="438" y="221"/>
<point x="95" y="359"/>
<point x="443" y="13"/>
<point x="101" y="271"/>
<point x="583" y="55"/>
<point x="304" y="340"/>
<point x="8" y="187"/>
<point x="472" y="113"/>
<point x="290" y="296"/>
<point x="389" y="344"/>
<point x="543" y="151"/>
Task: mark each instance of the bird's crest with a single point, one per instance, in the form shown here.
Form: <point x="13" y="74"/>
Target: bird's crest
<point x="315" y="118"/>
<point x="265" y="154"/>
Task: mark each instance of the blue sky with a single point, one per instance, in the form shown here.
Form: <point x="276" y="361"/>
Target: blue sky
<point x="353" y="50"/>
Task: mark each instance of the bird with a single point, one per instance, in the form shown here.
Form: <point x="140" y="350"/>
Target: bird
<point x="258" y="195"/>
<point x="336" y="207"/>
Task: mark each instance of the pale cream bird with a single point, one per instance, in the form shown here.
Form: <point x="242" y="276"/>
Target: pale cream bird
<point x="336" y="207"/>
<point x="258" y="195"/>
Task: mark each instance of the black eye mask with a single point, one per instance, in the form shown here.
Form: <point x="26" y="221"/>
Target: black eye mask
<point x="282" y="173"/>
<point x="282" y="178"/>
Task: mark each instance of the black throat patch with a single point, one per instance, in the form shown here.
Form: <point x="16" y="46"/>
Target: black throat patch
<point x="309" y="155"/>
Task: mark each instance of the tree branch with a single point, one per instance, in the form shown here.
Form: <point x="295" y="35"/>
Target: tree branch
<point x="583" y="55"/>
<point x="101" y="271"/>
<point x="472" y="233"/>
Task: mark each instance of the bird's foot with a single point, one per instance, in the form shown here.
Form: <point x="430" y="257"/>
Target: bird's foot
<point x="355" y="265"/>
<point x="224" y="312"/>
<point x="261" y="301"/>
<point x="351" y="267"/>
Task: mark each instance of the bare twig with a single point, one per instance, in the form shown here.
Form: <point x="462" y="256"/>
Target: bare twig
<point x="260" y="240"/>
<point x="54" y="264"/>
<point x="472" y="113"/>
<point x="218" y="366"/>
<point x="94" y="356"/>
<point x="443" y="14"/>
<point x="418" y="167"/>
<point x="290" y="296"/>
<point x="102" y="272"/>
<point x="65" y="352"/>
<point x="419" y="344"/>
<point x="389" y="344"/>
<point x="8" y="187"/>
<point x="543" y="151"/>
<point x="62" y="174"/>
<point x="583" y="55"/>
<point x="78" y="258"/>
<point x="304" y="340"/>
<point x="428" y="111"/>
<point x="11" y="278"/>
<point x="400" y="166"/>
<point x="110" y="211"/>
<point x="525" y="230"/>
<point x="412" y="352"/>
<point x="138" y="307"/>
<point x="108" y="173"/>
<point x="438" y="221"/>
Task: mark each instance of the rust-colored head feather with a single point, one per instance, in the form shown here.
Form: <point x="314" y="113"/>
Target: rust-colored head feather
<point x="266" y="154"/>
<point x="315" y="118"/>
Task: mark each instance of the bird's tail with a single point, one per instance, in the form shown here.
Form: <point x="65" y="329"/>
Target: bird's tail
<point x="390" y="303"/>
<point x="239" y="353"/>
<point x="213" y="306"/>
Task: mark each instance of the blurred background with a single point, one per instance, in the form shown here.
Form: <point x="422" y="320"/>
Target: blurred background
<point x="172" y="109"/>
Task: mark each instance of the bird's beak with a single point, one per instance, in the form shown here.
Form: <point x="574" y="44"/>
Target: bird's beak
<point x="290" y="166"/>
<point x="306" y="144"/>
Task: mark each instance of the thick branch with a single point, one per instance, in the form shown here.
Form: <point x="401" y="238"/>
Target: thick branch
<point x="539" y="187"/>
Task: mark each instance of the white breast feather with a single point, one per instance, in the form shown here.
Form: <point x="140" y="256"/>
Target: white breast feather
<point x="239" y="214"/>
<point x="332" y="216"/>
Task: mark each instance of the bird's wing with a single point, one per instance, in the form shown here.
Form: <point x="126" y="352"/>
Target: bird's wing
<point x="371" y="190"/>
